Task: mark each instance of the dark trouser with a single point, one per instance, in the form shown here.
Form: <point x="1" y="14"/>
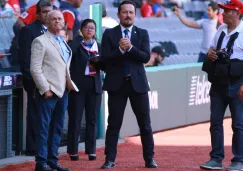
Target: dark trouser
<point x="140" y="104"/>
<point x="221" y="97"/>
<point x="31" y="122"/>
<point x="202" y="57"/>
<point x="29" y="87"/>
<point x="87" y="99"/>
<point x="50" y="122"/>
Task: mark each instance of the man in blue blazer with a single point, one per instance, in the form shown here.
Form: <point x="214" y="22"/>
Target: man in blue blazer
<point x="125" y="49"/>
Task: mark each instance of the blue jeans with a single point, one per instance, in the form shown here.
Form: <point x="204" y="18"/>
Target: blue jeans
<point x="202" y="57"/>
<point x="50" y="122"/>
<point x="221" y="97"/>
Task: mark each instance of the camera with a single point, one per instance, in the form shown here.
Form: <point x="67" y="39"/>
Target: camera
<point x="173" y="8"/>
<point x="223" y="56"/>
<point x="94" y="57"/>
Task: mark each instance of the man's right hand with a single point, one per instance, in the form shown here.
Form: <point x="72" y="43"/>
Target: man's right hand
<point x="176" y="11"/>
<point x="212" y="54"/>
<point x="48" y="94"/>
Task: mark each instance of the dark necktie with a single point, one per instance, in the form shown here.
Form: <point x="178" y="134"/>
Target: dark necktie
<point x="43" y="30"/>
<point x="126" y="63"/>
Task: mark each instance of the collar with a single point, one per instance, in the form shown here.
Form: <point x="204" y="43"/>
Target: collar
<point x="60" y="38"/>
<point x="238" y="29"/>
<point x="123" y="28"/>
<point x="38" y="21"/>
<point x="44" y="26"/>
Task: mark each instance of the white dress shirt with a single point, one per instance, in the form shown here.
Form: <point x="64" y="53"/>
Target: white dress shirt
<point x="123" y="35"/>
<point x="238" y="44"/>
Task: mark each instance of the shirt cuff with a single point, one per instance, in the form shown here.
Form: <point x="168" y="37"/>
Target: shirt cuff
<point x="122" y="51"/>
<point x="130" y="48"/>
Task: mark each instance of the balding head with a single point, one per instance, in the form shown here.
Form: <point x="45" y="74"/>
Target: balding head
<point x="55" y="21"/>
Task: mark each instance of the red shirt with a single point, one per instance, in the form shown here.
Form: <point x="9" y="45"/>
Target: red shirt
<point x="29" y="16"/>
<point x="69" y="18"/>
<point x="146" y="10"/>
<point x="15" y="5"/>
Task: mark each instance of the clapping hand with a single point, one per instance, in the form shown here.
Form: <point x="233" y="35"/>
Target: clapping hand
<point x="125" y="44"/>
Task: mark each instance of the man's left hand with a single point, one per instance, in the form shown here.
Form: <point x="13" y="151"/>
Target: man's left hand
<point x="240" y="92"/>
<point x="126" y="43"/>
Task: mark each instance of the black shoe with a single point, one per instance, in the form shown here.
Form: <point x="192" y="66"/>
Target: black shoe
<point x="151" y="164"/>
<point x="92" y="158"/>
<point x="108" y="165"/>
<point x="30" y="153"/>
<point x="39" y="167"/>
<point x="74" y="158"/>
<point x="58" y="167"/>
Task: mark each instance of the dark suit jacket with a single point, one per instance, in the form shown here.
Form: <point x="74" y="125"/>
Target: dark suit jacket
<point x="114" y="59"/>
<point x="26" y="36"/>
<point x="78" y="64"/>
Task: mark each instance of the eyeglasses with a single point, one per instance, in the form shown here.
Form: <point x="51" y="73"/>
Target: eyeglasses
<point x="89" y="28"/>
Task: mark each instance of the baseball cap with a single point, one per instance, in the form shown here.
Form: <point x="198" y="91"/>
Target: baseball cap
<point x="159" y="50"/>
<point x="236" y="5"/>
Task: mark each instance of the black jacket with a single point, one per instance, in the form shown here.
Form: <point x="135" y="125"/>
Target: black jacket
<point x="79" y="61"/>
<point x="114" y="59"/>
<point x="26" y="36"/>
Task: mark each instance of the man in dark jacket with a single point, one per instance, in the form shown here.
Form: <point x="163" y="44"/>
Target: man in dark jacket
<point x="125" y="49"/>
<point x="27" y="35"/>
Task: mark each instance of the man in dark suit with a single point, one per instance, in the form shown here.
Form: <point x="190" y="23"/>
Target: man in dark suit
<point x="26" y="36"/>
<point x="125" y="49"/>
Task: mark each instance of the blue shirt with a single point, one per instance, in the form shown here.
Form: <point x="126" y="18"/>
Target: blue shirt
<point x="63" y="47"/>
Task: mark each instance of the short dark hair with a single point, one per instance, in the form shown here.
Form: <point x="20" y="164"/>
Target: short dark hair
<point x="213" y="5"/>
<point x="126" y="2"/>
<point x="86" y="22"/>
<point x="42" y="4"/>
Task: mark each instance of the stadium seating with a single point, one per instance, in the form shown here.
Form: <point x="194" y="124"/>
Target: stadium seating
<point x="187" y="40"/>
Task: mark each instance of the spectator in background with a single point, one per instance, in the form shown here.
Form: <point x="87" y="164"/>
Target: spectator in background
<point x="209" y="27"/>
<point x="26" y="36"/>
<point x="15" y="5"/>
<point x="157" y="55"/>
<point x="71" y="16"/>
<point x="6" y="10"/>
<point x="107" y="22"/>
<point x="158" y="8"/>
<point x="153" y="8"/>
<point x="29" y="16"/>
<point x="147" y="10"/>
<point x="23" y="5"/>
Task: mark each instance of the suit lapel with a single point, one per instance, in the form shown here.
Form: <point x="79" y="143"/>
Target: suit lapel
<point x="53" y="41"/>
<point x="134" y="36"/>
<point x="118" y="33"/>
<point x="70" y="50"/>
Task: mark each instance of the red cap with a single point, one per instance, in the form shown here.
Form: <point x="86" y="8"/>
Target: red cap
<point x="236" y="5"/>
